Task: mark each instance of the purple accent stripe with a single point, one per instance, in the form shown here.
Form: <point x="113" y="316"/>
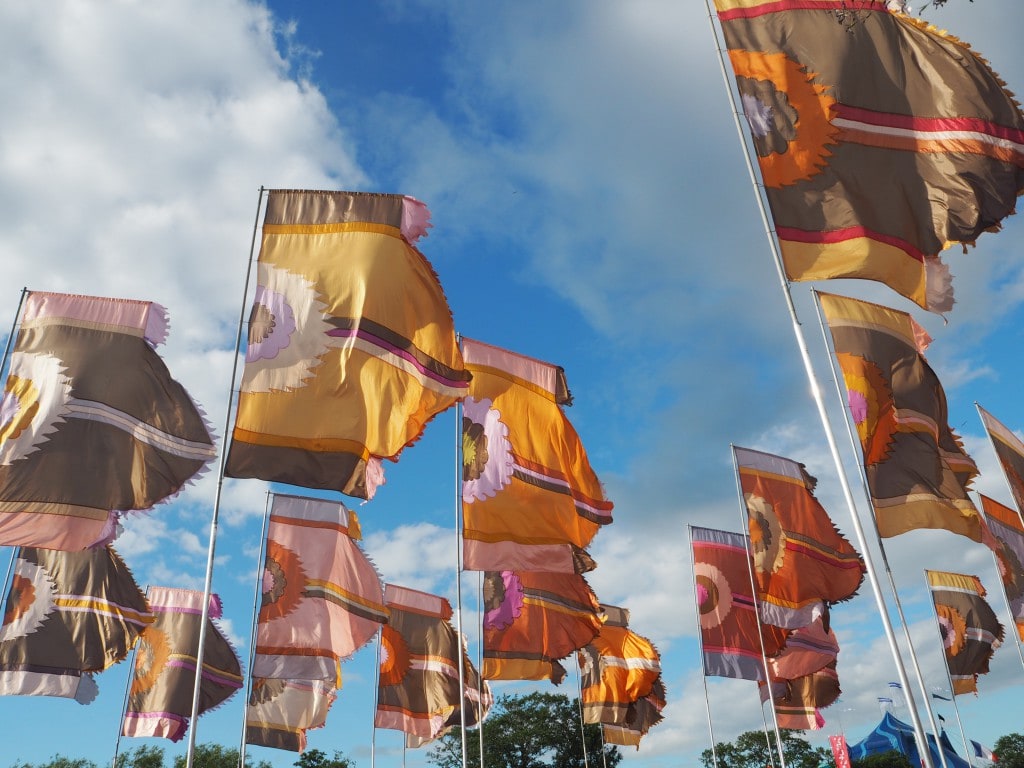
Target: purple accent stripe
<point x="378" y="342"/>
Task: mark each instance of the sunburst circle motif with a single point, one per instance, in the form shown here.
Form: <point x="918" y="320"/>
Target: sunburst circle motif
<point x="284" y="581"/>
<point x="871" y="406"/>
<point x="766" y="535"/>
<point x="788" y="113"/>
<point x="287" y="332"/>
<point x="34" y="404"/>
<point x="503" y="599"/>
<point x="487" y="462"/>
<point x="395" y="659"/>
<point x="714" y="595"/>
<point x="953" y="628"/>
<point x="32" y="597"/>
<point x="151" y="655"/>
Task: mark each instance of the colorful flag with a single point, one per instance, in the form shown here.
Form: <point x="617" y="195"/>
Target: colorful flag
<point x="732" y="640"/>
<point x="916" y="467"/>
<point x="798" y="702"/>
<point x="281" y="711"/>
<point x="418" y="688"/>
<point x="840" y="752"/>
<point x="807" y="650"/>
<point x="534" y="619"/>
<point x="801" y="561"/>
<point x="68" y="615"/>
<point x="618" y="668"/>
<point x="1010" y="452"/>
<point x="322" y="597"/>
<point x="642" y="715"/>
<point x="982" y="751"/>
<point x="163" y="683"/>
<point x="1005" y="525"/>
<point x="91" y="424"/>
<point x="881" y="140"/>
<point x="968" y="626"/>
<point x="352" y="346"/>
<point x="530" y="500"/>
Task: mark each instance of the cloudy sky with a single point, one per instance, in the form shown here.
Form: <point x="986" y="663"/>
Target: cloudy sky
<point x="591" y="207"/>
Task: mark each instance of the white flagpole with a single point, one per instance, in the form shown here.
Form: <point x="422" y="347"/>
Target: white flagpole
<point x="458" y="571"/>
<point x="3" y="368"/>
<point x="819" y="402"/>
<point x="127" y="690"/>
<point x="583" y="727"/>
<point x="208" y="583"/>
<point x="700" y="640"/>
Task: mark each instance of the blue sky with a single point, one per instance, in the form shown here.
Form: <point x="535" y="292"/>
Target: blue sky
<point x="591" y="208"/>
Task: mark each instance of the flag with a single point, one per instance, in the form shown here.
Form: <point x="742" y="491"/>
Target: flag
<point x="1005" y="525"/>
<point x="418" y="688"/>
<point x="880" y="139"/>
<point x="530" y="500"/>
<point x="840" y="752"/>
<point x="322" y="597"/>
<point x="896" y="686"/>
<point x="801" y="561"/>
<point x="352" y="346"/>
<point x="798" y="702"/>
<point x="68" y="615"/>
<point x="916" y="467"/>
<point x="92" y="424"/>
<point x="532" y="620"/>
<point x="807" y="650"/>
<point x="982" y="751"/>
<point x="1010" y="452"/>
<point x="618" y="668"/>
<point x="730" y="641"/>
<point x="968" y="626"/>
<point x="641" y="715"/>
<point x="280" y="712"/>
<point x="162" y="686"/>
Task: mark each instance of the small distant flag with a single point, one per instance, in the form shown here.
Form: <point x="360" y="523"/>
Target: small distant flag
<point x="940" y="696"/>
<point x="983" y="752"/>
<point x="897" y="686"/>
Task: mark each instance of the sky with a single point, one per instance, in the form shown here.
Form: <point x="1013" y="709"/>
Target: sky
<point x="591" y="207"/>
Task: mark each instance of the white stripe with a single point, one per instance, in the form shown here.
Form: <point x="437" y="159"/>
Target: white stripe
<point x="631" y="663"/>
<point x="910" y="133"/>
<point x="548" y="480"/>
<point x="435" y="666"/>
<point x="145" y="433"/>
<point x="405" y="365"/>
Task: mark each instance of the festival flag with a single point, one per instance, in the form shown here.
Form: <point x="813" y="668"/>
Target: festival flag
<point x="801" y="561"/>
<point x="916" y="467"/>
<point x="807" y="650"/>
<point x="352" y="346"/>
<point x="68" y="615"/>
<point x="840" y="750"/>
<point x="532" y="620"/>
<point x="798" y="702"/>
<point x="642" y="715"/>
<point x="881" y="140"/>
<point x="281" y="711"/>
<point x="92" y="424"/>
<point x="322" y="597"/>
<point x="530" y="500"/>
<point x="732" y="639"/>
<point x="1010" y="451"/>
<point x="163" y="683"/>
<point x="968" y="627"/>
<point x="618" y="667"/>
<point x="1006" y="527"/>
<point x="418" y="688"/>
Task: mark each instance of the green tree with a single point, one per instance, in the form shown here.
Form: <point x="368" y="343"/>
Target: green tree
<point x="891" y="759"/>
<point x="317" y="758"/>
<point x="538" y="730"/>
<point x="60" y="761"/>
<point x="216" y="756"/>
<point x="1010" y="750"/>
<point x="750" y="750"/>
<point x="142" y="757"/>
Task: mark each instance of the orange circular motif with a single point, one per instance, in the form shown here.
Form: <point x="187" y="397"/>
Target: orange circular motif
<point x="788" y="113"/>
<point x="871" y="406"/>
<point x="394" y="657"/>
<point x="151" y="655"/>
<point x="767" y="538"/>
<point x="714" y="595"/>
<point x="284" y="581"/>
<point x="953" y="628"/>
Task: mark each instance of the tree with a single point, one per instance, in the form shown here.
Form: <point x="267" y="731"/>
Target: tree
<point x="538" y="730"/>
<point x="750" y="750"/>
<point x="60" y="761"/>
<point x="216" y="756"/>
<point x="1010" y="750"/>
<point x="891" y="759"/>
<point x="142" y="757"/>
<point x="317" y="758"/>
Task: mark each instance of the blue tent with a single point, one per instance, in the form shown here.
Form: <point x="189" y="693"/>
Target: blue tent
<point x="893" y="734"/>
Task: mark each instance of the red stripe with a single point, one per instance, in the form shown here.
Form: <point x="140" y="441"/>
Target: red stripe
<point x="850" y="233"/>
<point x="929" y="124"/>
<point x="801" y="5"/>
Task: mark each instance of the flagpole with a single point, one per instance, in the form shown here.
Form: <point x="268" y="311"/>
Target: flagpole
<point x="3" y="368"/>
<point x="818" y="400"/>
<point x="208" y="582"/>
<point x="855" y="446"/>
<point x="700" y="642"/>
<point x="754" y="594"/>
<point x="480" y="663"/>
<point x="458" y="570"/>
<point x="127" y="690"/>
<point x="257" y="593"/>
<point x="1009" y="612"/>
<point x="376" y="701"/>
<point x="949" y="677"/>
<point x="579" y="702"/>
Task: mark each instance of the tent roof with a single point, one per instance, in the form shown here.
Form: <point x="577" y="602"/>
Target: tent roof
<point x="892" y="733"/>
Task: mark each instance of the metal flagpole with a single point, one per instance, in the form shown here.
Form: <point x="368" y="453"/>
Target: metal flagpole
<point x="700" y="640"/>
<point x="127" y="690"/>
<point x="208" y="583"/>
<point x="3" y="368"/>
<point x="458" y="566"/>
<point x="819" y="402"/>
<point x="480" y="664"/>
<point x="376" y="693"/>
<point x="949" y="677"/>
<point x="583" y="729"/>
<point x="855" y="445"/>
<point x="745" y="527"/>
<point x="257" y="593"/>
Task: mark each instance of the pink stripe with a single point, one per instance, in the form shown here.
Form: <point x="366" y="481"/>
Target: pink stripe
<point x="929" y="124"/>
<point x="849" y="233"/>
<point x="801" y="5"/>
